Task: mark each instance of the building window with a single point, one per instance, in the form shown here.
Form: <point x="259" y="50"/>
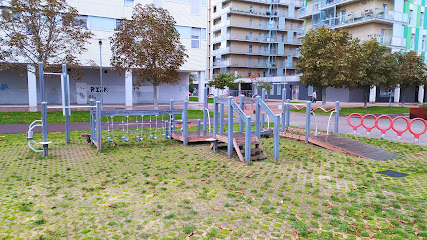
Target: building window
<point x="265" y="64"/>
<point x="310" y="90"/>
<point x="284" y="13"/>
<point x="422" y="20"/>
<point x="259" y="62"/>
<point x="423" y="43"/>
<point x="249" y="62"/>
<point x="292" y="26"/>
<point x="291" y="51"/>
<point x="265" y="36"/>
<point x="265" y="49"/>
<point x="411" y="13"/>
<point x="259" y="49"/>
<point x="260" y="24"/>
<point x="184" y="32"/>
<point x="102" y="23"/>
<point x="279" y="89"/>
<point x="283" y="37"/>
<point x="259" y="37"/>
<point x="119" y="23"/>
<point x="263" y="74"/>
<point x="260" y="10"/>
<point x="412" y="41"/>
<point x="266" y="24"/>
<point x="80" y="21"/>
<point x="250" y="22"/>
<point x="195" y="37"/>
<point x="272" y="90"/>
<point x="129" y="3"/>
<point x="249" y="73"/>
<point x="250" y="48"/>
<point x="250" y="35"/>
<point x="281" y="62"/>
<point x="251" y="8"/>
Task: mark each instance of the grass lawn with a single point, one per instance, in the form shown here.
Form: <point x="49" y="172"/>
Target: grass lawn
<point x="196" y="99"/>
<point x="76" y="116"/>
<point x="361" y="110"/>
<point x="160" y="189"/>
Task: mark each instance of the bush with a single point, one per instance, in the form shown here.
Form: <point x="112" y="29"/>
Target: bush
<point x="424" y="105"/>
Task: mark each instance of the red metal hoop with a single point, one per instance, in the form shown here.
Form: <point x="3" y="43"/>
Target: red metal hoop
<point x="252" y="105"/>
<point x="399" y="133"/>
<point x="383" y="131"/>
<point x="368" y="129"/>
<point x="354" y="126"/>
<point x="417" y="135"/>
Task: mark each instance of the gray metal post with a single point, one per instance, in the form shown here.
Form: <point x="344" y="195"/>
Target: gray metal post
<point x="288" y="112"/>
<point x="307" y="121"/>
<point x="100" y="73"/>
<point x="205" y="106"/>
<point x="172" y="117"/>
<point x="44" y="129"/>
<point x="248" y="140"/>
<point x="41" y="81"/>
<point x="221" y="117"/>
<point x="215" y="124"/>
<point x="241" y="122"/>
<point x="276" y="137"/>
<point x="199" y="125"/>
<point x="98" y="126"/>
<point x="66" y="102"/>
<point x="230" y="128"/>
<point x="257" y="117"/>
<point x="185" y="123"/>
<point x="283" y="109"/>
<point x="92" y="120"/>
<point x="255" y="90"/>
<point x="337" y="116"/>
<point x="263" y="93"/>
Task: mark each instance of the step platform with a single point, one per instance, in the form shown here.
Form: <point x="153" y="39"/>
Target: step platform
<point x="257" y="151"/>
<point x="193" y="136"/>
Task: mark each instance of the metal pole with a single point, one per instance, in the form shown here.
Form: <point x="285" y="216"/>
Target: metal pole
<point x="241" y="122"/>
<point x="215" y="124"/>
<point x="307" y="121"/>
<point x="205" y="106"/>
<point x="198" y="125"/>
<point x="92" y="120"/>
<point x="41" y="80"/>
<point x="167" y="128"/>
<point x="288" y="112"/>
<point x="100" y="73"/>
<point x="230" y="128"/>
<point x="44" y="129"/>
<point x="98" y="126"/>
<point x="276" y="137"/>
<point x="248" y="141"/>
<point x="337" y="116"/>
<point x="257" y="117"/>
<point x="221" y="117"/>
<point x="185" y="123"/>
<point x="66" y="102"/>
<point x="172" y="117"/>
<point x="283" y="109"/>
<point x="263" y="93"/>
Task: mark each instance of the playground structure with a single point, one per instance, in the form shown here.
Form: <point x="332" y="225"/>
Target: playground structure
<point x="383" y="130"/>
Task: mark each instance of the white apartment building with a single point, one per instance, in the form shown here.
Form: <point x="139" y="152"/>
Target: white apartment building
<point x="101" y="18"/>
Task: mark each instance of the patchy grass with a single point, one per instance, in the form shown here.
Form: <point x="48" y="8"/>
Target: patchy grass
<point x="160" y="189"/>
<point x="76" y="116"/>
<point x="361" y="110"/>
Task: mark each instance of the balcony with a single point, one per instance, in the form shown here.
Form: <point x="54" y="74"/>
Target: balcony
<point x="385" y="40"/>
<point x="370" y="15"/>
<point x="329" y="3"/>
<point x="249" y="38"/>
<point x="297" y="3"/>
<point x="266" y="14"/>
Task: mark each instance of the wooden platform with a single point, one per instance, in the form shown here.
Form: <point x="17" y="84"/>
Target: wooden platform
<point x="194" y="136"/>
<point x="344" y="145"/>
<point x="257" y="151"/>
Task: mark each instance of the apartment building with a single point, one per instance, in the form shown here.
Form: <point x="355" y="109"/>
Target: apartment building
<point x="400" y="25"/>
<point x="101" y="18"/>
<point x="255" y="38"/>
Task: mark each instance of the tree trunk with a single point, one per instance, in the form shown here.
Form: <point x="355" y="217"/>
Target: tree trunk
<point x="365" y="97"/>
<point x="155" y="100"/>
<point x="324" y="97"/>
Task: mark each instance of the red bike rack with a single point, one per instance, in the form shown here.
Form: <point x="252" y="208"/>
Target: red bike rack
<point x="368" y="129"/>
<point x="399" y="133"/>
<point x="383" y="131"/>
<point x="252" y="105"/>
<point x="355" y="126"/>
<point x="417" y="135"/>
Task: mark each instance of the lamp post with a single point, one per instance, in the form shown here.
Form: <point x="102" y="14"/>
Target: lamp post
<point x="100" y="73"/>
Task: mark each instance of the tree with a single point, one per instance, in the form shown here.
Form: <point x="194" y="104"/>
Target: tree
<point x="324" y="60"/>
<point x="47" y="31"/>
<point x="370" y="67"/>
<point x="149" y="45"/>
<point x="412" y="71"/>
<point x="223" y="80"/>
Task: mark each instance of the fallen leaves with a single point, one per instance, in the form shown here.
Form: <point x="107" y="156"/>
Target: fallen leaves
<point x="390" y="224"/>
<point x="296" y="235"/>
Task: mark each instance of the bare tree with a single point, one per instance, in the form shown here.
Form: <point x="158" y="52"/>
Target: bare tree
<point x="149" y="45"/>
<point x="48" y="31"/>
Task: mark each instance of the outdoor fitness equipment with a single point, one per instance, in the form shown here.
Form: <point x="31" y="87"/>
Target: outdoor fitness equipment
<point x="110" y="138"/>
<point x="124" y="138"/>
<point x="399" y="132"/>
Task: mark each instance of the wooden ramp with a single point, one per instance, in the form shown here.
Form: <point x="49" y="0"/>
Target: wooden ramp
<point x="257" y="151"/>
<point x="345" y="145"/>
<point x="194" y="136"/>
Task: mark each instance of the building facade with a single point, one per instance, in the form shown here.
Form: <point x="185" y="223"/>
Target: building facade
<point x="398" y="24"/>
<point x="101" y="18"/>
<point x="256" y="39"/>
